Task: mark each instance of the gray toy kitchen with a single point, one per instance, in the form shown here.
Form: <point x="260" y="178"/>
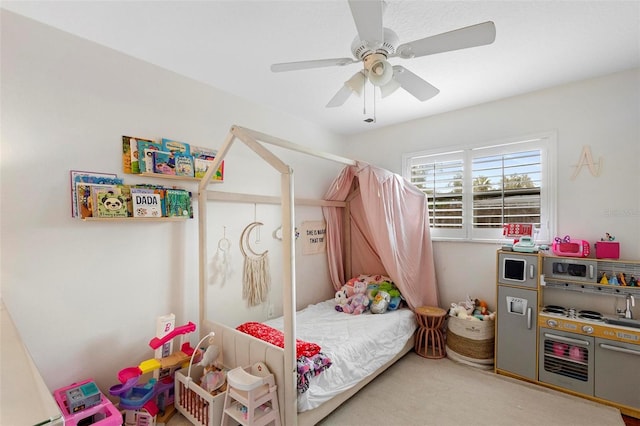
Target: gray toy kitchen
<point x="567" y="319"/>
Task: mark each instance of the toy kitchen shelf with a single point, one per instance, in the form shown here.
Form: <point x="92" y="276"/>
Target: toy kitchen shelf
<point x="591" y="283"/>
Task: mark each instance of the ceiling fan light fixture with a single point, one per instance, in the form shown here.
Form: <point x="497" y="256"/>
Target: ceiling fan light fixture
<point x="356" y="83"/>
<point x="379" y="71"/>
<point x="389" y="88"/>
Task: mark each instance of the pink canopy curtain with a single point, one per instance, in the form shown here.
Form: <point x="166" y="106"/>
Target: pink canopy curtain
<point x="389" y="232"/>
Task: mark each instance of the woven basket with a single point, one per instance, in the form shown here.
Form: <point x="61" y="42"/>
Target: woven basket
<point x="471" y="339"/>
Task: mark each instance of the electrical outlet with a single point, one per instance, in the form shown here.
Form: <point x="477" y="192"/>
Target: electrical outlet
<point x="270" y="311"/>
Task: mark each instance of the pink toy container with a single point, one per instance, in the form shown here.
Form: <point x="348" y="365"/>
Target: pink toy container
<point x="607" y="250"/>
<point x="102" y="414"/>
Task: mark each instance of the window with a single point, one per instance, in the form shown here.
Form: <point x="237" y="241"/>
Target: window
<point x="473" y="191"/>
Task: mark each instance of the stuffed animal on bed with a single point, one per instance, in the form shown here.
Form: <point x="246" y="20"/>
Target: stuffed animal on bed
<point x="359" y="302"/>
<point x="341" y="299"/>
<point x="390" y="300"/>
<point x="380" y="302"/>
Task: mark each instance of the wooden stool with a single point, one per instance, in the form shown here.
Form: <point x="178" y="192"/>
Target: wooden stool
<point x="429" y="335"/>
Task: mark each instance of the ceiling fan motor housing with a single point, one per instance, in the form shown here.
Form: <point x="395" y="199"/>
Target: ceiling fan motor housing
<point x="364" y="48"/>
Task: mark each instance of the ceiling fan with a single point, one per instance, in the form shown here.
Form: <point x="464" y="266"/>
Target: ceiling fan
<point x="374" y="44"/>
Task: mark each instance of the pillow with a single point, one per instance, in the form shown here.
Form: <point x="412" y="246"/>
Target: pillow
<point x="276" y="338"/>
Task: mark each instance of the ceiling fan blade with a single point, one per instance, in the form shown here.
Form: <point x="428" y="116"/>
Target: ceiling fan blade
<point x="318" y="63"/>
<point x="367" y="16"/>
<point x="413" y="84"/>
<point x="341" y="97"/>
<point x="462" y="38"/>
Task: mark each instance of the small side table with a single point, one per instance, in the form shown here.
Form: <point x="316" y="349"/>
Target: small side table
<point x="430" y="338"/>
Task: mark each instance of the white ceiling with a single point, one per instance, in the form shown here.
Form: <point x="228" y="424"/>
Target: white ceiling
<point x="231" y="44"/>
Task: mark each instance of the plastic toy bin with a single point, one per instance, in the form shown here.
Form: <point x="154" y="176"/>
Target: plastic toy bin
<point x="607" y="250"/>
<point x="102" y="414"/>
<point x="196" y="404"/>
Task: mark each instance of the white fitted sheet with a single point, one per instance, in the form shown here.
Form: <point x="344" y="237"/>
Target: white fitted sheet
<point x="357" y="345"/>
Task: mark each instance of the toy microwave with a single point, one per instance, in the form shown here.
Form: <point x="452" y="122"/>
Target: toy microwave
<point x="571" y="248"/>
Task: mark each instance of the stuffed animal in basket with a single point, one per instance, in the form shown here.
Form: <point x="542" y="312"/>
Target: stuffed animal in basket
<point x="359" y="302"/>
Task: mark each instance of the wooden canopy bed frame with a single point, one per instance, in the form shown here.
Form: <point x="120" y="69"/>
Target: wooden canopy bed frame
<point x="239" y="349"/>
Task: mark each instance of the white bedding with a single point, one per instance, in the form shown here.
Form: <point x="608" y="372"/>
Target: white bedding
<point x="356" y="344"/>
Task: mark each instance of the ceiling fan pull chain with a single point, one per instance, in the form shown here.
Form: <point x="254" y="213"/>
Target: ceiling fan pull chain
<point x="364" y="98"/>
<point x="374" y="104"/>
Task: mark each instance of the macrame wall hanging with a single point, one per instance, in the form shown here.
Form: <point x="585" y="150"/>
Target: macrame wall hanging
<point x="221" y="265"/>
<point x="256" y="274"/>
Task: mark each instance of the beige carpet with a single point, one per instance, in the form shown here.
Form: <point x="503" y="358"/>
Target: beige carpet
<point x="441" y="392"/>
<point x="423" y="392"/>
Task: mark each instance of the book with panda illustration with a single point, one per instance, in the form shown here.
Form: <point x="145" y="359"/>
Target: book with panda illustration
<point x="85" y="197"/>
<point x="110" y="203"/>
<point x="79" y="177"/>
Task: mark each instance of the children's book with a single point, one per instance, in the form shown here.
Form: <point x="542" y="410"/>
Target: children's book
<point x="179" y="203"/>
<point x="164" y="162"/>
<point x="85" y="193"/>
<point x="110" y="203"/>
<point x="184" y="165"/>
<point x="130" y="154"/>
<point x="125" y="190"/>
<point x="143" y="206"/>
<point x="202" y="158"/>
<point x="146" y="204"/>
<point x="145" y="153"/>
<point x="201" y="165"/>
<point x="78" y="176"/>
<point x="175" y="146"/>
<point x="127" y="154"/>
<point x="202" y="152"/>
<point x="95" y="190"/>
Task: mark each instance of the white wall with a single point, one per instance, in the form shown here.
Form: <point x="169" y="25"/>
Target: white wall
<point x="602" y="113"/>
<point x="85" y="295"/>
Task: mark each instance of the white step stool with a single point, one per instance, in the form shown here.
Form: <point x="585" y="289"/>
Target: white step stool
<point x="252" y="398"/>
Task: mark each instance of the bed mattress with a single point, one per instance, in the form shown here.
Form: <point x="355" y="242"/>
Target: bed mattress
<point x="357" y="345"/>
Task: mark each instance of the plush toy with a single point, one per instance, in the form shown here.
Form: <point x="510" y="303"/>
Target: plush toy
<point x="341" y="299"/>
<point x="394" y="294"/>
<point x="380" y="302"/>
<point x="349" y="289"/>
<point x="359" y="302"/>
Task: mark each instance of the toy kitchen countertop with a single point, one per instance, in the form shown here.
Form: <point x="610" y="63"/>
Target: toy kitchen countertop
<point x="589" y="323"/>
